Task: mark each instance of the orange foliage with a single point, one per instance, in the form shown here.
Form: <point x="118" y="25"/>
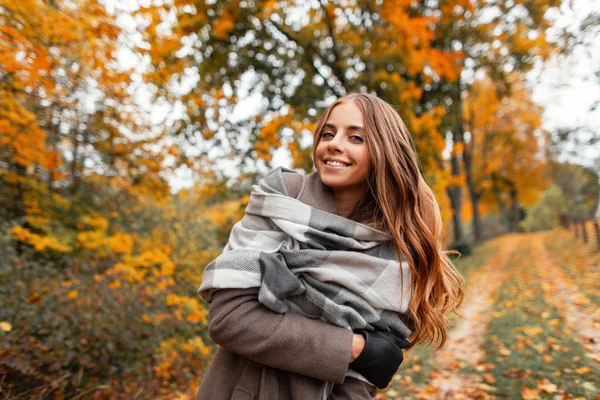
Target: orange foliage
<point x="232" y="210"/>
<point x="223" y="25"/>
<point x="268" y="136"/>
<point x="40" y="243"/>
<point x="505" y="138"/>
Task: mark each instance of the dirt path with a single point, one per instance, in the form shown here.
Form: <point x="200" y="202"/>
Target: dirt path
<point x="464" y="345"/>
<point x="581" y="315"/>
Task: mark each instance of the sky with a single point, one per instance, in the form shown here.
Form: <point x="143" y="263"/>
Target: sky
<point x="566" y="87"/>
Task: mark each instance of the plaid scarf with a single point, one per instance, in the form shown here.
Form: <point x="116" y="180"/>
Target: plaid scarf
<point x="310" y="262"/>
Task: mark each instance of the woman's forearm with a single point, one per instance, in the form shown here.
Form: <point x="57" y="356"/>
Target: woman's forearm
<point x="241" y="324"/>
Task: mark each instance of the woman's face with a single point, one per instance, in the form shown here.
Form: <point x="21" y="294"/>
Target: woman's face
<point x="341" y="157"/>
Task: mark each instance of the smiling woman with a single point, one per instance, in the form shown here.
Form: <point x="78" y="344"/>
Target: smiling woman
<point x="329" y="274"/>
<point x="341" y="156"/>
<point x="380" y="185"/>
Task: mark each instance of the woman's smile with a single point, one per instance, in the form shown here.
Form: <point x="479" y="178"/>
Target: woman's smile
<point x="334" y="164"/>
<point x="341" y="154"/>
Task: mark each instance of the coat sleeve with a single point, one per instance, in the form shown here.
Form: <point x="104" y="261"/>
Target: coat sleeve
<point x="241" y="324"/>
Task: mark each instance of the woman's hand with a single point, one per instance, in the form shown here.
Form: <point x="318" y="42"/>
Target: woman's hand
<point x="381" y="357"/>
<point x="358" y="345"/>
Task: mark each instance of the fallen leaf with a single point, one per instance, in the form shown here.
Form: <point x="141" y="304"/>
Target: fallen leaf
<point x="583" y="370"/>
<point x="515" y="373"/>
<point x="5" y="326"/>
<point x="589" y="386"/>
<point x="530" y="394"/>
<point x="505" y="352"/>
<point x="548" y="387"/>
<point x="489" y="378"/>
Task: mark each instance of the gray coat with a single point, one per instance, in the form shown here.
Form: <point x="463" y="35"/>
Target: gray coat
<point x="263" y="355"/>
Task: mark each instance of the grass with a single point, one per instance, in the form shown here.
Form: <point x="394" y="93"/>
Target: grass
<point x="534" y="352"/>
<point x="581" y="263"/>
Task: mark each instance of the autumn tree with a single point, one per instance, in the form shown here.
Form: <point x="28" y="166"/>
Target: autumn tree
<point x="506" y="147"/>
<point x="293" y="58"/>
<point x="289" y="59"/>
<point x="495" y="38"/>
<point x="66" y="113"/>
<point x="100" y="263"/>
<point x="581" y="187"/>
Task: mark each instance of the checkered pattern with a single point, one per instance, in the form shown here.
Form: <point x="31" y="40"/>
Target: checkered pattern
<point x="310" y="262"/>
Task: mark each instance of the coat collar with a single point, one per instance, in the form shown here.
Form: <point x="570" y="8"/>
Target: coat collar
<point x="316" y="194"/>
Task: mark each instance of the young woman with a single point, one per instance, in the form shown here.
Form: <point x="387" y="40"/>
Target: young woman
<point x="328" y="274"/>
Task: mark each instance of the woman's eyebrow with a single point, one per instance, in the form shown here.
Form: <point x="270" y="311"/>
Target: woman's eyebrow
<point x="353" y="127"/>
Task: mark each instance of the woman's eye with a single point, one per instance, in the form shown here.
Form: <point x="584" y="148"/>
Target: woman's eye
<point x="326" y="134"/>
<point x="357" y="138"/>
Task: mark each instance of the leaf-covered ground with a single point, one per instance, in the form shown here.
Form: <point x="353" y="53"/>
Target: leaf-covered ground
<point x="530" y="327"/>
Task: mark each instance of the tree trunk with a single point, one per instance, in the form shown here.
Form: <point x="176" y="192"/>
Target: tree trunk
<point x="74" y="177"/>
<point x="501" y="209"/>
<point x="514" y="207"/>
<point x="477" y="231"/>
<point x="454" y="193"/>
<point x="474" y="194"/>
<point x="19" y="212"/>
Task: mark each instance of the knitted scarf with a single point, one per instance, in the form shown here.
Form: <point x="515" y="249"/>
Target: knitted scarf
<point x="310" y="262"/>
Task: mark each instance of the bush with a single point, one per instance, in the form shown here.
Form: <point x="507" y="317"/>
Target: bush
<point x="545" y="213"/>
<point x="98" y="293"/>
<point x="72" y="333"/>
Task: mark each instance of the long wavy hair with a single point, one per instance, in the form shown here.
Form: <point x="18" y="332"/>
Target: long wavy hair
<point x="398" y="200"/>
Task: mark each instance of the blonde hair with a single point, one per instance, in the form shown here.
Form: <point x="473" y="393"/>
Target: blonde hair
<point x="399" y="200"/>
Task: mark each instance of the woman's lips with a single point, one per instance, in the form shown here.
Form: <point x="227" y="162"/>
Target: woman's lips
<point x="335" y="167"/>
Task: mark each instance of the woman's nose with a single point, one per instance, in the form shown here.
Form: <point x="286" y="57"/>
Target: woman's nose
<point x="335" y="144"/>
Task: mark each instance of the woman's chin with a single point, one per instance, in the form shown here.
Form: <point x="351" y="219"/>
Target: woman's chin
<point x="335" y="183"/>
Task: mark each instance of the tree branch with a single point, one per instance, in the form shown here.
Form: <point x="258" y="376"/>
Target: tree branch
<point x="336" y="67"/>
<point x="311" y="55"/>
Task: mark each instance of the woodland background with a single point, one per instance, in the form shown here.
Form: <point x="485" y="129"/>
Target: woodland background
<point x="100" y="258"/>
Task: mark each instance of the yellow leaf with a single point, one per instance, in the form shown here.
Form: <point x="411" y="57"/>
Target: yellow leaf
<point x="114" y="285"/>
<point x="121" y="243"/>
<point x="583" y="370"/>
<point x="458" y="148"/>
<point x="5" y="326"/>
<point x="548" y="387"/>
<point x="173" y="300"/>
<point x="530" y="394"/>
<point x="39" y="242"/>
<point x="195" y="345"/>
<point x="504" y="351"/>
<point x="489" y="378"/>
<point x="223" y="25"/>
<point x="72" y="294"/>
